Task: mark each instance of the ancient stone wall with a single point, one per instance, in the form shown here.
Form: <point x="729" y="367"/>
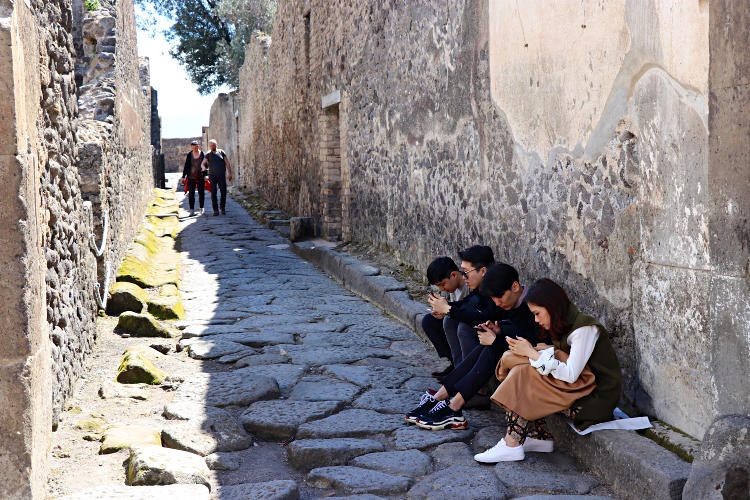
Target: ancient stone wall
<point x="224" y="124"/>
<point x="574" y="139"/>
<point x="175" y="151"/>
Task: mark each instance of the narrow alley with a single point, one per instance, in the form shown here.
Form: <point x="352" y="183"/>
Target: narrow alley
<point x="281" y="384"/>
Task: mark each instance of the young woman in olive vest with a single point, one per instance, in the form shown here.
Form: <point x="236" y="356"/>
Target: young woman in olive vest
<point x="578" y="375"/>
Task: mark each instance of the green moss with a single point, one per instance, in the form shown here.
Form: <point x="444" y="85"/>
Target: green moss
<point x="163" y="226"/>
<point x="660" y="434"/>
<point x="125" y="296"/>
<point x="121" y="437"/>
<point x="156" y="211"/>
<point x="95" y="425"/>
<point x="167" y="194"/>
<point x="147" y="274"/>
<point x="141" y="325"/>
<point x="166" y="307"/>
<point x="136" y="368"/>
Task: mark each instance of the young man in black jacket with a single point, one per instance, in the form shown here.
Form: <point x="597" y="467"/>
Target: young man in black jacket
<point x="443" y="409"/>
<point x="463" y="315"/>
<point x="444" y="274"/>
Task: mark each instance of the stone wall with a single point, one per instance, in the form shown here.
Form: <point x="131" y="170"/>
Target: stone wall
<point x="223" y="124"/>
<point x="175" y="151"/>
<point x="580" y="140"/>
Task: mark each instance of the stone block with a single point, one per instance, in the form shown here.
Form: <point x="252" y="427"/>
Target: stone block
<point x="279" y="420"/>
<point x="141" y="325"/>
<point x="358" y="480"/>
<point x="270" y="490"/>
<point x="300" y="228"/>
<point x="137" y="368"/>
<point x="124" y="296"/>
<point x="460" y="482"/>
<point x="154" y="465"/>
<point x="311" y="453"/>
<point x="124" y="492"/>
<point x="722" y="469"/>
<point x="123" y="436"/>
<point x="632" y="465"/>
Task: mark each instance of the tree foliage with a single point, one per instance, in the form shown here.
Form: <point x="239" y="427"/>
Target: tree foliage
<point x="208" y="37"/>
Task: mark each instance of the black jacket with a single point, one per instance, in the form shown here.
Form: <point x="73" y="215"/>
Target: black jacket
<point x="188" y="162"/>
<point x="518" y="322"/>
<point x="474" y="309"/>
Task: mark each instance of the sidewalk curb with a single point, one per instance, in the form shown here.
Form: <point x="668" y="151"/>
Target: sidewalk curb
<point x="633" y="465"/>
<point x="365" y="280"/>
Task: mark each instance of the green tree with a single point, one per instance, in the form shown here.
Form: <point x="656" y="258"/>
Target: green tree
<point x="208" y="37"/>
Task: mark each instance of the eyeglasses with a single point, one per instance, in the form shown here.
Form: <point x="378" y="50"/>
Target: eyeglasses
<point x="464" y="273"/>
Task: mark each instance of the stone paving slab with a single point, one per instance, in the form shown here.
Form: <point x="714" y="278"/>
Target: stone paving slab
<point x="410" y="463"/>
<point x="318" y="388"/>
<point x="279" y="420"/>
<point x="351" y="423"/>
<point x="311" y="453"/>
<point x="227" y="389"/>
<point x="123" y="492"/>
<point x="286" y="375"/>
<point x="369" y="375"/>
<point x="397" y="401"/>
<point x="413" y="437"/>
<point x="358" y="480"/>
<point x="221" y="432"/>
<point x="546" y="473"/>
<point x="471" y="483"/>
<point x="270" y="490"/>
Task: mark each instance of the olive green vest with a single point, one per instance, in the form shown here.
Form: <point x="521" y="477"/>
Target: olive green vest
<point x="597" y="406"/>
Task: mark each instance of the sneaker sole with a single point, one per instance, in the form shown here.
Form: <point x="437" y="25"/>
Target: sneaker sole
<point x="439" y="426"/>
<point x="534" y="449"/>
<point x="484" y="461"/>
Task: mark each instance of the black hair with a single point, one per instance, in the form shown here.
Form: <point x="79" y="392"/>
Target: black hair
<point x="498" y="279"/>
<point x="551" y="296"/>
<point x="479" y="255"/>
<point x="440" y="269"/>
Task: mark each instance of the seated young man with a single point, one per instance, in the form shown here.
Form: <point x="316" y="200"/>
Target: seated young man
<point x="444" y="274"/>
<point x="462" y="316"/>
<point x="443" y="410"/>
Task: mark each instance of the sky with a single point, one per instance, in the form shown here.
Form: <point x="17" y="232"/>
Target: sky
<point x="182" y="109"/>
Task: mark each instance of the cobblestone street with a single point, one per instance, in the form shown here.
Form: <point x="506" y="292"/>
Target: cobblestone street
<point x="290" y="385"/>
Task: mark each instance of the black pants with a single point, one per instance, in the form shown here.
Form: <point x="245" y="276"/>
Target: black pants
<point x="218" y="182"/>
<point x="192" y="184"/>
<point x="435" y="331"/>
<point x="473" y="372"/>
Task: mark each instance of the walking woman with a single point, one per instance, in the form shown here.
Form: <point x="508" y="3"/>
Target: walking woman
<point x="578" y="375"/>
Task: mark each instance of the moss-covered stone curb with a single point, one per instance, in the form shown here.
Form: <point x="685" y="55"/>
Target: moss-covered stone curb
<point x="141" y="325"/>
<point x="126" y="296"/>
<point x="136" y="367"/>
<point x="166" y="307"/>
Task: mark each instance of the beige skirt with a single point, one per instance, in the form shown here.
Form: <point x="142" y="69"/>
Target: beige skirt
<point x="525" y="391"/>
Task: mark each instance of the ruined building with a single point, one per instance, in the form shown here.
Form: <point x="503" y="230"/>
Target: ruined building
<point x="77" y="170"/>
<point x="602" y="144"/>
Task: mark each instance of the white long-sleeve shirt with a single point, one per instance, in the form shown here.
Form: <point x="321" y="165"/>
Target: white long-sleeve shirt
<point x="582" y="342"/>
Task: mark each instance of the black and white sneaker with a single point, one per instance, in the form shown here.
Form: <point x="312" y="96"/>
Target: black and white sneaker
<point x="426" y="402"/>
<point x="442" y="417"/>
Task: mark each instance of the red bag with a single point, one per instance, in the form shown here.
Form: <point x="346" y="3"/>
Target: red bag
<point x="207" y="185"/>
<point x="184" y="184"/>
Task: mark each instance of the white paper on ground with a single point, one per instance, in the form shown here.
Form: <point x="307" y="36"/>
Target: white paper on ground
<point x="621" y="422"/>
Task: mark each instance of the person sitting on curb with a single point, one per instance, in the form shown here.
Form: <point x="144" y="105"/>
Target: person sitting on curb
<point x="444" y="274"/>
<point x="578" y="375"/>
<point x="474" y="309"/>
<point x="194" y="174"/>
<point x="443" y="410"/>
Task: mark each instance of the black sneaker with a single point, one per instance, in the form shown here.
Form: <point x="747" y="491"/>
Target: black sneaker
<point x="223" y="212"/>
<point x="426" y="402"/>
<point x="442" y="417"/>
<point x="439" y="375"/>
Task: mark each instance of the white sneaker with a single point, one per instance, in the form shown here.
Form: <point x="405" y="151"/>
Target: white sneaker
<point x="192" y="213"/>
<point x="538" y="445"/>
<point x="501" y="452"/>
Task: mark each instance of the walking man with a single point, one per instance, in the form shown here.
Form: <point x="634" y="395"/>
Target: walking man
<point x="219" y="172"/>
<point x="194" y="173"/>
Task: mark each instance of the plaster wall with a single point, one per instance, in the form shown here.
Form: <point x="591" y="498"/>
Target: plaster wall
<point x="579" y="139"/>
<point x="175" y="150"/>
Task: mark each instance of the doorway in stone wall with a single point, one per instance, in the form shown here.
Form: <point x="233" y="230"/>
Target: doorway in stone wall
<point x="330" y="162"/>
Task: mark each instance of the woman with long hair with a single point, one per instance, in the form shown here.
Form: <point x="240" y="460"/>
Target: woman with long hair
<point x="578" y="375"/>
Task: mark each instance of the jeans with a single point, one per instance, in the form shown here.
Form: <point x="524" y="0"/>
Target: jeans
<point x="192" y="184"/>
<point x="218" y="182"/>
<point x="461" y="337"/>
<point x="476" y="368"/>
<point x="434" y="330"/>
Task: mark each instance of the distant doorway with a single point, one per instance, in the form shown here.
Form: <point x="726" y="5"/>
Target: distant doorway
<point x="330" y="162"/>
